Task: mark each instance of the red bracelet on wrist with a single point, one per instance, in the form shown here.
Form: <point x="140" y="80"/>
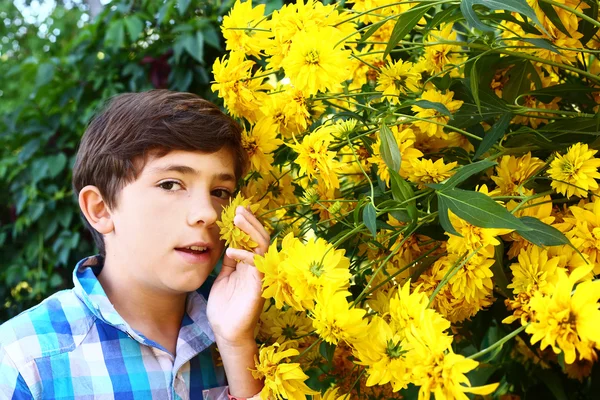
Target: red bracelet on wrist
<point x="255" y="397"/>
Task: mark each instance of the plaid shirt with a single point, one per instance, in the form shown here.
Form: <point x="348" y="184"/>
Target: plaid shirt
<point x="74" y="345"/>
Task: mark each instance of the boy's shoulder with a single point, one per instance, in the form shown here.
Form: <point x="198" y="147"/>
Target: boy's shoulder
<point x="56" y="325"/>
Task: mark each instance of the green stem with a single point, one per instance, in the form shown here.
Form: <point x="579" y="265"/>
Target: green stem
<point x="498" y="343"/>
<point x="306" y="350"/>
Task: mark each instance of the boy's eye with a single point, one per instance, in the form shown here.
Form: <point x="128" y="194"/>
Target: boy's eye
<point x="169" y="185"/>
<point x="222" y="193"/>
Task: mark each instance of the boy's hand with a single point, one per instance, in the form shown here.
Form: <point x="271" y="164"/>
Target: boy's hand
<point x="235" y="302"/>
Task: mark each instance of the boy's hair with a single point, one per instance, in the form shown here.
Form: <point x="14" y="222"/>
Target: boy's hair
<point x="134" y="125"/>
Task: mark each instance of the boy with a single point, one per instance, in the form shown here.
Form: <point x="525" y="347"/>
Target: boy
<point x="152" y="174"/>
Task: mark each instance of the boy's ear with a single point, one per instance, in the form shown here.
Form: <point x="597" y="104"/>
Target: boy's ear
<point x="95" y="209"/>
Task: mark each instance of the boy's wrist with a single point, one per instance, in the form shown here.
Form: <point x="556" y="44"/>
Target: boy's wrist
<point x="235" y="344"/>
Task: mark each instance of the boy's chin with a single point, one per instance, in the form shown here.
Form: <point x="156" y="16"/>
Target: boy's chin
<point x="185" y="282"/>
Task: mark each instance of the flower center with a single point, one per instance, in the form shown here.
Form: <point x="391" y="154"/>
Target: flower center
<point x="393" y="350"/>
<point x="316" y="268"/>
<point x="289" y="331"/>
<point x="312" y="57"/>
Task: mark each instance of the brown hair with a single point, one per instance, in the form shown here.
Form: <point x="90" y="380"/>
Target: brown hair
<point x="132" y="125"/>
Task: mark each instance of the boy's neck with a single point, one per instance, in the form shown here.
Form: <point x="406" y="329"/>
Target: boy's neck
<point x="156" y="315"/>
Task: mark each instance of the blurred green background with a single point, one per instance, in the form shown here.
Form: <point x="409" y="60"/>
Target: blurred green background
<point x="59" y="61"/>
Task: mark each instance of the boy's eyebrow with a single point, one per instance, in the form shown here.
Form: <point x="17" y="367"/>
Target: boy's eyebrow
<point x="186" y="170"/>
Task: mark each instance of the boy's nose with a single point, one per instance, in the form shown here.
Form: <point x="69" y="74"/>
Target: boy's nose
<point x="202" y="212"/>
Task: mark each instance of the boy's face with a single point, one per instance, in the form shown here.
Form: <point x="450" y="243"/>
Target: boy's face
<point x="174" y="203"/>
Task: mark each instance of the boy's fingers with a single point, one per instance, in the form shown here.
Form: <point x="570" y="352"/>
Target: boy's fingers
<point x="243" y="222"/>
<point x="257" y="225"/>
<point x="254" y="222"/>
<point x="238" y="254"/>
<point x="228" y="266"/>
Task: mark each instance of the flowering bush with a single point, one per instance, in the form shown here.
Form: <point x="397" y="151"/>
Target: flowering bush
<point x="428" y="172"/>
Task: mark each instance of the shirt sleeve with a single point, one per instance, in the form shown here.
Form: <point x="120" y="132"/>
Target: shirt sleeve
<point x="218" y="393"/>
<point x="12" y="384"/>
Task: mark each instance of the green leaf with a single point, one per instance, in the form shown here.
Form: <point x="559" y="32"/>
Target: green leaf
<point x="495" y="133"/>
<point x="439" y="107"/>
<point x="115" y="35"/>
<point x="542" y="234"/>
<point x="563" y="90"/>
<point x="135" y="26"/>
<point x="519" y="81"/>
<point x="500" y="279"/>
<point x="402" y="191"/>
<point x="327" y="350"/>
<point x="194" y="45"/>
<point x="585" y="27"/>
<point x="56" y="164"/>
<point x="390" y="152"/>
<point x="444" y="218"/>
<point x="466" y="171"/>
<point x="35" y="210"/>
<point x="370" y="218"/>
<point x="443" y="17"/>
<point x="519" y="6"/>
<point x="474" y="83"/>
<point x="550" y="12"/>
<point x="480" y="210"/>
<point x="405" y="23"/>
<point x="211" y="38"/>
<point x="553" y="382"/>
<point x="543" y="43"/>
<point x="372" y="29"/>
<point x="182" y="6"/>
<point x="45" y="73"/>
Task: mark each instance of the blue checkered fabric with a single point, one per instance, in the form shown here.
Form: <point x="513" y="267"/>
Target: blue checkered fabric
<point x="74" y="345"/>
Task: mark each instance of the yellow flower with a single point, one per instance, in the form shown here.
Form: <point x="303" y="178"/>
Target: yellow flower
<point x="584" y="231"/>
<point x="405" y="138"/>
<point x="472" y="278"/>
<point x="437" y="369"/>
<point x="567" y="323"/>
<point x="285" y="325"/>
<point x="540" y="208"/>
<point x="396" y="79"/>
<point x="283" y="380"/>
<point x="245" y="28"/>
<point x="331" y="394"/>
<point x="473" y="237"/>
<point x="300" y="17"/>
<point x="288" y="110"/>
<point x="233" y="80"/>
<point x="440" y="57"/>
<point x="435" y="96"/>
<point x="576" y="172"/>
<point x="275" y="188"/>
<point x="424" y="171"/>
<point x="382" y="352"/>
<point x="234" y="236"/>
<point x="408" y="310"/>
<point x="314" y="157"/>
<point x="314" y="65"/>
<point x="535" y="272"/>
<point x="473" y="281"/>
<point x="334" y="319"/>
<point x="316" y="266"/>
<point x="276" y="284"/>
<point x="259" y="143"/>
<point x="511" y="172"/>
<point x="444" y="375"/>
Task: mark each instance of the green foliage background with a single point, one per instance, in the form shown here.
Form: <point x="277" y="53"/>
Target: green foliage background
<point x="55" y="74"/>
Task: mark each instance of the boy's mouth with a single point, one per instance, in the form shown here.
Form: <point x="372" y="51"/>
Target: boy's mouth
<point x="194" y="249"/>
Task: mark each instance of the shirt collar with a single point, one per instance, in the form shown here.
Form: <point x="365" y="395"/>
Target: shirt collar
<point x="195" y="334"/>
